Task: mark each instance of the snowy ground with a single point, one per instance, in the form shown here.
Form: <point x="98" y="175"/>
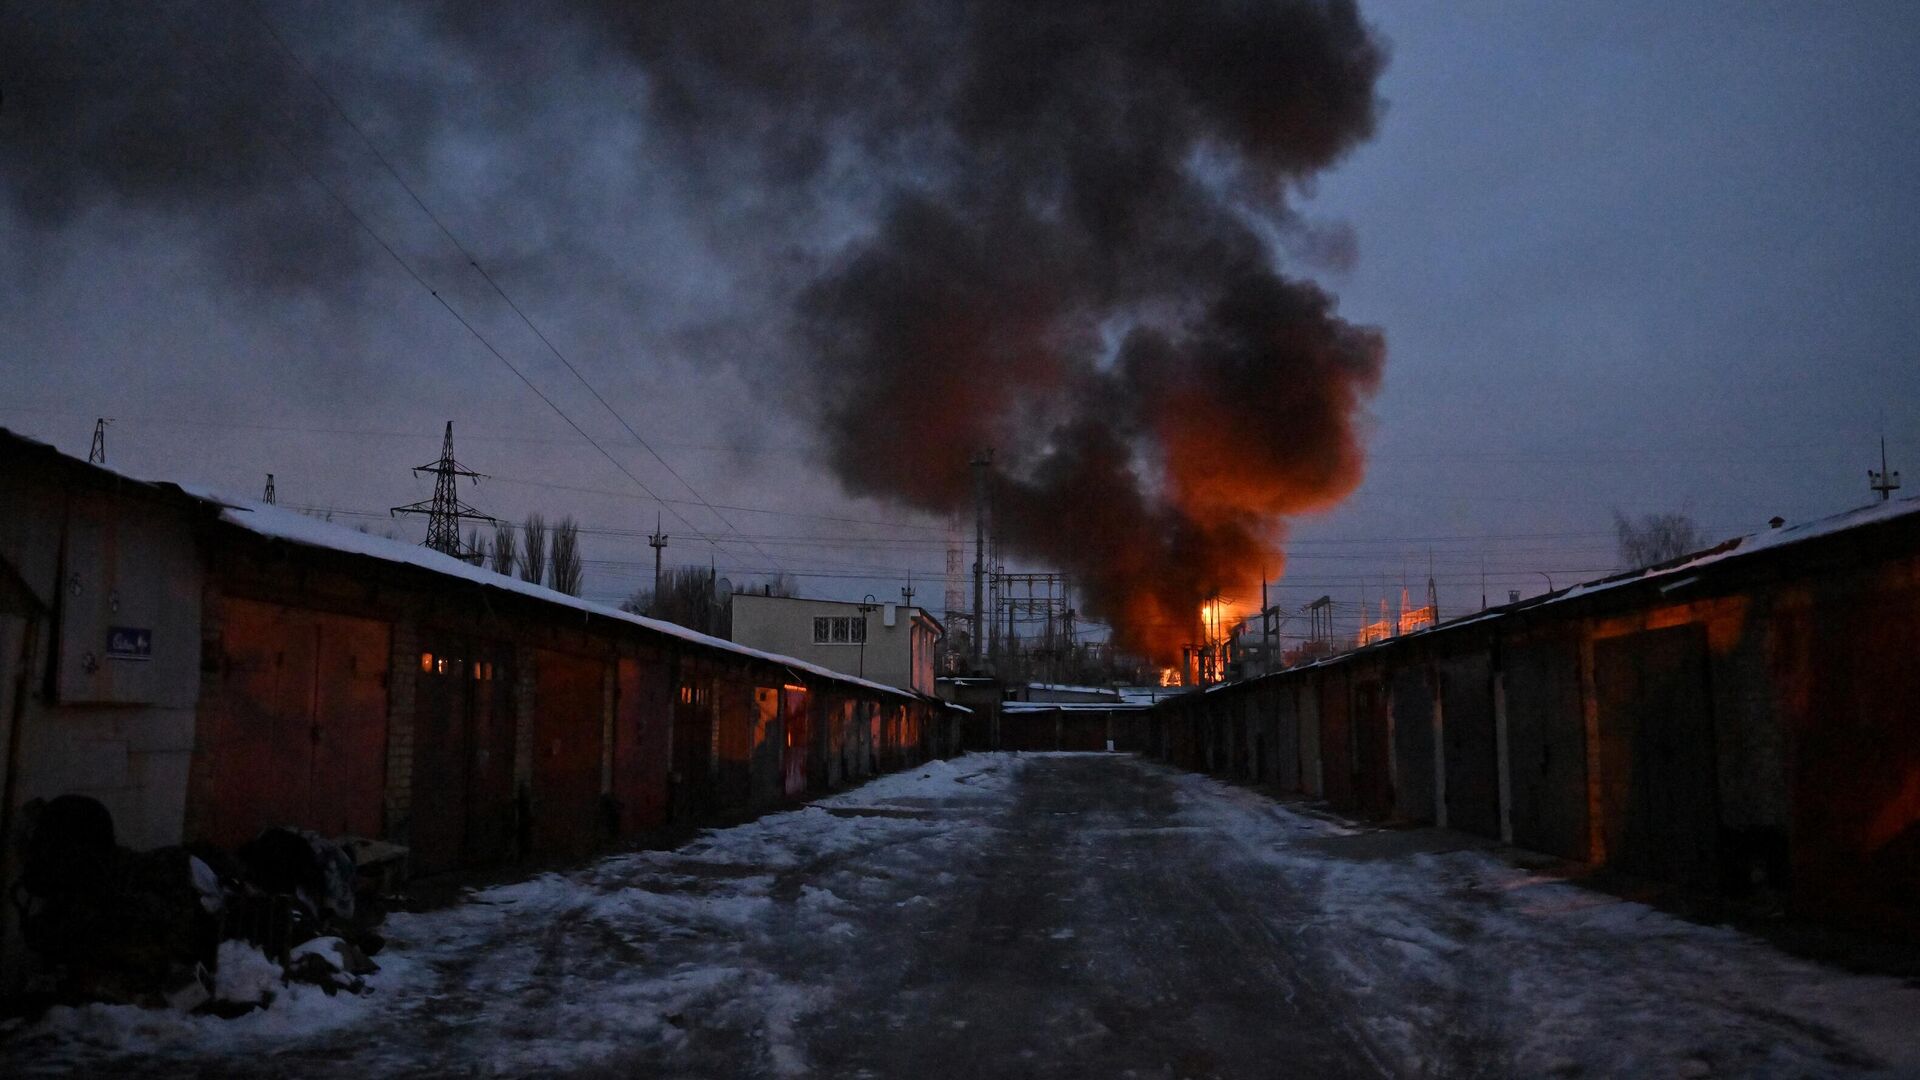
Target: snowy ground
<point x="1039" y="915"/>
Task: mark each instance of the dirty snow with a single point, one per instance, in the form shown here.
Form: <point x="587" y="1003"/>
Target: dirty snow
<point x="1455" y="953"/>
<point x="727" y="956"/>
<point x="243" y="974"/>
<point x="608" y="963"/>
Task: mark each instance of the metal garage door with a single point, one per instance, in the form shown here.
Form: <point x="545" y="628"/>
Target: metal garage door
<point x="568" y="696"/>
<point x="1547" y="748"/>
<point x="642" y="714"/>
<point x="1466" y="719"/>
<point x="293" y="724"/>
<point x="1373" y="778"/>
<point x="463" y="736"/>
<point x="1659" y="801"/>
<point x="1413" y="747"/>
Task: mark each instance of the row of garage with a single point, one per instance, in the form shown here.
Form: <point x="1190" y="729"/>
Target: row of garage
<point x="206" y="669"/>
<point x="1738" y="720"/>
<point x="476" y="726"/>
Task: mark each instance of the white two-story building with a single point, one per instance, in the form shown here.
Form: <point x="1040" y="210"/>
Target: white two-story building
<point x="889" y="643"/>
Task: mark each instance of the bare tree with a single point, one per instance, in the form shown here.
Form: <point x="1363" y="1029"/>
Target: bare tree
<point x="686" y="597"/>
<point x="477" y="546"/>
<point x="564" y="569"/>
<point x="504" y="548"/>
<point x="781" y="584"/>
<point x="1654" y="538"/>
<point x="533" y="553"/>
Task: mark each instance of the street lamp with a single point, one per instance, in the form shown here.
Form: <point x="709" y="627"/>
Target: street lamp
<point x="866" y="607"/>
<point x="1549" y="578"/>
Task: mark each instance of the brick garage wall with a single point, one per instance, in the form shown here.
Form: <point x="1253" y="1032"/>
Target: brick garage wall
<point x="525" y="683"/>
<point x="403" y="673"/>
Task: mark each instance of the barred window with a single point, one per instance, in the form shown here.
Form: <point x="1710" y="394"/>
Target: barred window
<point x="841" y="630"/>
<point x="858" y="628"/>
<point x="822" y="630"/>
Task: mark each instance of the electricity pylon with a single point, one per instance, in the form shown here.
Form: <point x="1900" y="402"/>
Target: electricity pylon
<point x="445" y="511"/>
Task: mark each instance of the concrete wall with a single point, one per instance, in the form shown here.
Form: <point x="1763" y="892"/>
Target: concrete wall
<point x="89" y="708"/>
<point x="115" y="727"/>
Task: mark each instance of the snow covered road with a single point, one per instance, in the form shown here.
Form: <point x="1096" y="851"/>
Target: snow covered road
<point x="1039" y="915"/>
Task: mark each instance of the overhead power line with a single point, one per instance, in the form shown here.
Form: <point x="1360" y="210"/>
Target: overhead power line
<point x="474" y="261"/>
<point x="380" y="240"/>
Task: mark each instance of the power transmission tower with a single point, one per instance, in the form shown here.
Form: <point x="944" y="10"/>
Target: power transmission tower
<point x="97" y="453"/>
<point x="445" y="511"/>
<point x="1884" y="482"/>
<point x="658" y="542"/>
<point x="980" y="463"/>
<point x="1320" y="626"/>
<point x="267" y="495"/>
<point x="956" y="601"/>
<point x="1053" y="610"/>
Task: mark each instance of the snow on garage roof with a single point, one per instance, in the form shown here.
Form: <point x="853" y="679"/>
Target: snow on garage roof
<point x="1753" y="543"/>
<point x="293" y="527"/>
<point x="1738" y="547"/>
<point x="278" y="523"/>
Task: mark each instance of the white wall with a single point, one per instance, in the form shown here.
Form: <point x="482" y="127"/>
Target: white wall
<point x="898" y="655"/>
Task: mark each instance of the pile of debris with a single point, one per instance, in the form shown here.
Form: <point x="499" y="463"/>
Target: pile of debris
<point x="193" y="928"/>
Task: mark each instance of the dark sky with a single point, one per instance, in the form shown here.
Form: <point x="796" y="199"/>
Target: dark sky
<point x="1640" y="256"/>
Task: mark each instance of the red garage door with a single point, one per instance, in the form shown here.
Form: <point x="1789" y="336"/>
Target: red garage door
<point x="292" y="725"/>
<point x="793" y="706"/>
<point x="642" y="713"/>
<point x="462" y="753"/>
<point x="566" y="753"/>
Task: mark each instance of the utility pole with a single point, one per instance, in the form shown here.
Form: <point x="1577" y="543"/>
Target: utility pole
<point x="1884" y="482"/>
<point x="1008" y="644"/>
<point x="657" y="541"/>
<point x="1433" y="591"/>
<point x="980" y="463"/>
<point x="906" y="594"/>
<point x="866" y="608"/>
<point x="267" y="495"/>
<point x="445" y="511"/>
<point x="97" y="453"/>
<point x="1269" y="629"/>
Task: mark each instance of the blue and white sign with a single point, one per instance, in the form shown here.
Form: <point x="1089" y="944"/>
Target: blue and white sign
<point x="129" y="643"/>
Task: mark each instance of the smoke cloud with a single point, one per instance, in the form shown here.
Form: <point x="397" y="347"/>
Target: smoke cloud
<point x="1069" y="263"/>
<point x="1052" y="230"/>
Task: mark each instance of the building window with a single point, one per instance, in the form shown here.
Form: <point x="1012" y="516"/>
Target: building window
<point x="839" y="630"/>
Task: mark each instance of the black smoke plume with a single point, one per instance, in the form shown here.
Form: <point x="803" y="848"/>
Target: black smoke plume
<point x="1052" y="229"/>
<point x="1068" y="260"/>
